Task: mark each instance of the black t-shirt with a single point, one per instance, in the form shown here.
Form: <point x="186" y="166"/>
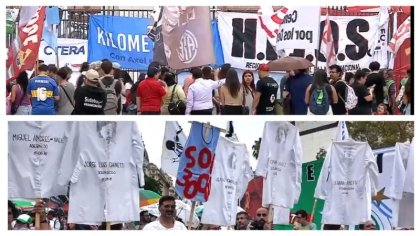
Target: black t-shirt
<point x="268" y="88"/>
<point x="379" y="81"/>
<point x="363" y="107"/>
<point x="89" y="100"/>
<point x="340" y="107"/>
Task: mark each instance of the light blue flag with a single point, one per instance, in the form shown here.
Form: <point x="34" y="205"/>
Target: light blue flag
<point x="196" y="163"/>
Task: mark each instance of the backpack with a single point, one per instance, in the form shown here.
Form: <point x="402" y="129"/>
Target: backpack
<point x="111" y="105"/>
<point x="319" y="102"/>
<point x="350" y="99"/>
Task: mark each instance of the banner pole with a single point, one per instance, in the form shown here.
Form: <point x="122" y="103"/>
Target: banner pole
<point x="270" y="215"/>
<point x="191" y="215"/>
<point x="108" y="225"/>
<point x="319" y="40"/>
<point x="313" y="210"/>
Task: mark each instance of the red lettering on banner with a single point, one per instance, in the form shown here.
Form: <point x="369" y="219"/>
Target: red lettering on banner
<point x="202" y="182"/>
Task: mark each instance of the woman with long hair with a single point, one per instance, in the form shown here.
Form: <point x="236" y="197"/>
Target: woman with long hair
<point x="175" y="92"/>
<point x="19" y="98"/>
<point x="364" y="95"/>
<point x="248" y="86"/>
<point x="320" y="81"/>
<point x="231" y="94"/>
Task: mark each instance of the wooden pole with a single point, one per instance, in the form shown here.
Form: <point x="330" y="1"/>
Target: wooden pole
<point x="37" y="221"/>
<point x="270" y="215"/>
<point x="313" y="210"/>
<point x="191" y="215"/>
<point x="108" y="225"/>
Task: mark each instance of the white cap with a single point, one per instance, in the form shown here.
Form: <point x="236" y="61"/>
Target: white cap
<point x="92" y="75"/>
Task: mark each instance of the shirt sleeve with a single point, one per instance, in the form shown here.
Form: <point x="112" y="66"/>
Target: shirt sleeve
<point x="395" y="189"/>
<point x="259" y="87"/>
<point x="218" y="83"/>
<point x="264" y="153"/>
<point x="298" y="154"/>
<point x="70" y="158"/>
<point x="138" y="152"/>
<point x="190" y="100"/>
<point x="323" y="185"/>
<point x="373" y="172"/>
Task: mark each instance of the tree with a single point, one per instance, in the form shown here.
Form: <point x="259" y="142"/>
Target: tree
<point x="256" y="148"/>
<point x="380" y="134"/>
<point x="152" y="185"/>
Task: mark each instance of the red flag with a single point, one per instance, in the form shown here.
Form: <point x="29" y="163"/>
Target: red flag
<point x="23" y="52"/>
<point x="252" y="199"/>
<point x="327" y="45"/>
<point x="403" y="33"/>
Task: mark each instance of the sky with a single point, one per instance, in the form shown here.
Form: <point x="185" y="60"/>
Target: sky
<point x="246" y="131"/>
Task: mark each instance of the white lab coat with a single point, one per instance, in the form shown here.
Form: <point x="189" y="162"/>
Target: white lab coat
<point x="347" y="182"/>
<point x="105" y="169"/>
<point x="230" y="177"/>
<point x="35" y="153"/>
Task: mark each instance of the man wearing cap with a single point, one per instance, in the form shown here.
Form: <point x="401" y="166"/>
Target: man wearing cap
<point x="266" y="93"/>
<point x="89" y="99"/>
<point x="43" y="91"/>
<point x="150" y="93"/>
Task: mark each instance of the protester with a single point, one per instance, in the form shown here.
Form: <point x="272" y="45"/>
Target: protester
<point x="151" y="92"/>
<point x="390" y="93"/>
<point x="340" y="87"/>
<point x="242" y="221"/>
<point x="302" y="219"/>
<point x="320" y="95"/>
<point x="368" y="225"/>
<point x="377" y="79"/>
<point x="175" y="92"/>
<point x="81" y="78"/>
<point x="364" y="95"/>
<point x="112" y="88"/>
<point x="90" y="99"/>
<point x="43" y="91"/>
<point x="18" y="98"/>
<point x="260" y="220"/>
<point x="65" y="105"/>
<point x="200" y="94"/>
<point x="296" y="87"/>
<point x="166" y="220"/>
<point x="144" y="219"/>
<point x="232" y="94"/>
<point x="266" y="93"/>
<point x="382" y="109"/>
<point x="248" y="85"/>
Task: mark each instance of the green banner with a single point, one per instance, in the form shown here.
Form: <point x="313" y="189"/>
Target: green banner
<point x="310" y="174"/>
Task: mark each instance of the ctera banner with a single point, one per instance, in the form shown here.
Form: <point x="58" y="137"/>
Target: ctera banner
<point x="120" y="39"/>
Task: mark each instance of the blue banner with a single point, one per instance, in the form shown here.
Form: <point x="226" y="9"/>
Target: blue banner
<point x="120" y="39"/>
<point x="218" y="50"/>
<point x="196" y="163"/>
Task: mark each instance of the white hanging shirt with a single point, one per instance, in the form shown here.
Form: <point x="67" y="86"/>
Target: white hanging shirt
<point x="229" y="179"/>
<point x="104" y="165"/>
<point x="409" y="174"/>
<point x="35" y="152"/>
<point x="347" y="181"/>
<point x="398" y="172"/>
<point x="279" y="162"/>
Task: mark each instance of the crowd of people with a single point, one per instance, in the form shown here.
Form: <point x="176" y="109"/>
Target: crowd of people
<point x="56" y="219"/>
<point x="104" y="88"/>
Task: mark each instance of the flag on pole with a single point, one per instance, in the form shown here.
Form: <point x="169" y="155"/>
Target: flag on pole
<point x="342" y="132"/>
<point x="155" y="34"/>
<point x="174" y="140"/>
<point x="403" y="33"/>
<point x="23" y="52"/>
<point x="327" y="43"/>
<point x="187" y="36"/>
<point x="50" y="32"/>
<point x="270" y="21"/>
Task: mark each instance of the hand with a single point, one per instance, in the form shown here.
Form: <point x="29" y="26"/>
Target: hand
<point x="40" y="209"/>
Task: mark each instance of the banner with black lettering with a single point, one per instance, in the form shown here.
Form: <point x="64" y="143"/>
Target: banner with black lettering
<point x="244" y="42"/>
<point x="299" y="29"/>
<point x="358" y="40"/>
<point x="187" y="36"/>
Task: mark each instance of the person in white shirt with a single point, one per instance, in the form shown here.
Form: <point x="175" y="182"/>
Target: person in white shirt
<point x="200" y="94"/>
<point x="166" y="220"/>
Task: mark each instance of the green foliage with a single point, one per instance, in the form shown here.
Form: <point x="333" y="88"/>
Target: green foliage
<point x="321" y="154"/>
<point x="152" y="185"/>
<point x="380" y="134"/>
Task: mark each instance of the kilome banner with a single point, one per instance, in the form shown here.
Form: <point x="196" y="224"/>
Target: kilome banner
<point x="120" y="39"/>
